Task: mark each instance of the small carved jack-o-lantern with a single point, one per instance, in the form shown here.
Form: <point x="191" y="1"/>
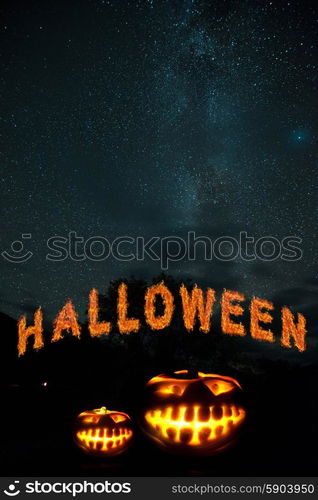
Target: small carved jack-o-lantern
<point x="198" y="414"/>
<point x="103" y="432"/>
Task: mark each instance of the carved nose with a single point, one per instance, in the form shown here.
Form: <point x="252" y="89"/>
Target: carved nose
<point x="197" y="391"/>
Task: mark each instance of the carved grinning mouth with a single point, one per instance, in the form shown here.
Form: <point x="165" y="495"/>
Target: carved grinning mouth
<point x="193" y="425"/>
<point x="104" y="439"/>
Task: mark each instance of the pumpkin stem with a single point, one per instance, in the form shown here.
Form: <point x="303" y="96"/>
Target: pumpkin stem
<point x="103" y="409"/>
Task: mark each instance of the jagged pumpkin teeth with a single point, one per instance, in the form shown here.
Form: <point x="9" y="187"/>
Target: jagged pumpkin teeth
<point x="219" y="430"/>
<point x="171" y="432"/>
<point x="204" y="414"/>
<point x="175" y="413"/>
<point x="204" y="434"/>
<point x="189" y="414"/>
<point x="236" y="411"/>
<point x="217" y="412"/>
<point x="103" y="432"/>
<point x="186" y="435"/>
<point x="168" y="412"/>
<point x="228" y="411"/>
<point x="204" y="418"/>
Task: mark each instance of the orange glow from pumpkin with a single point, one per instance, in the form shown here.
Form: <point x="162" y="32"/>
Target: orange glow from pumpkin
<point x="219" y="387"/>
<point x="222" y="379"/>
<point x="104" y="439"/>
<point x="193" y="412"/>
<point x="103" y="432"/>
<point x="189" y="425"/>
<point x="118" y="418"/>
<point x="177" y="389"/>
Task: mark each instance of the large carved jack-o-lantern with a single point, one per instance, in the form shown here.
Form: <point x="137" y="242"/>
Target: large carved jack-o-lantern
<point x="103" y="432"/>
<point x="199" y="414"/>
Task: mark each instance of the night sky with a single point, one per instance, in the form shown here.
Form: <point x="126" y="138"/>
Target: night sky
<point x="154" y="118"/>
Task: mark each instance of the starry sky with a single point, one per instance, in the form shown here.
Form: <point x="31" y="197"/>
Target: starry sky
<point x="155" y="118"/>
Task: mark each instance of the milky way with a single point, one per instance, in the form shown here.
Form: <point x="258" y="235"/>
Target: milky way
<point x="157" y="118"/>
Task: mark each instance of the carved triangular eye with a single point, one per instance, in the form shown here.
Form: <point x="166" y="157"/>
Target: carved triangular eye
<point x="176" y="389"/>
<point x="219" y="386"/>
<point x="91" y="420"/>
<point x="118" y="418"/>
